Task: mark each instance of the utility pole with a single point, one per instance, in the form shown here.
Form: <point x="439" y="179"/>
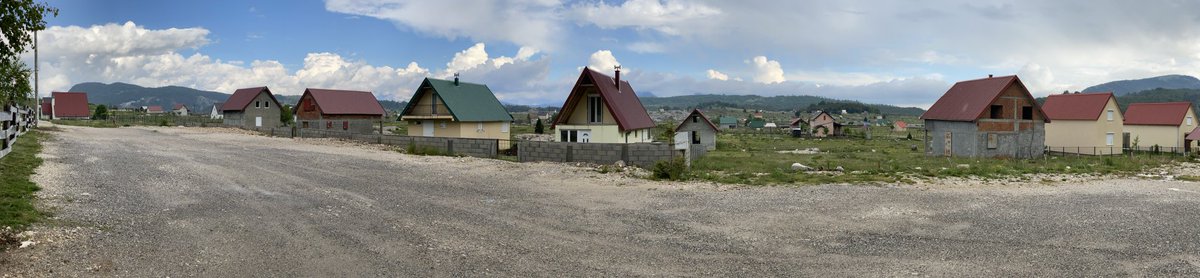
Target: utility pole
<point x="37" y="95"/>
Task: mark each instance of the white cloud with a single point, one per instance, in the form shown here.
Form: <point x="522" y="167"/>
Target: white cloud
<point x="647" y="47"/>
<point x="603" y="61"/>
<point x="669" y="17"/>
<point x="522" y="22"/>
<point x="468" y="59"/>
<point x="767" y="71"/>
<point x="716" y="75"/>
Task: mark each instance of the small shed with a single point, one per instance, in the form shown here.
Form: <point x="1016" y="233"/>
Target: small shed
<point x="700" y="130"/>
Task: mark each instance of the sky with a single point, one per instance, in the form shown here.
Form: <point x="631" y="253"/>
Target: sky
<point x="903" y="53"/>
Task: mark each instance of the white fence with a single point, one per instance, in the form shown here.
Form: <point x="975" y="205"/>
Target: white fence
<point x="14" y="122"/>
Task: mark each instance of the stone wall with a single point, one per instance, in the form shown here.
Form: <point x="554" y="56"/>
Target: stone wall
<point x="639" y="154"/>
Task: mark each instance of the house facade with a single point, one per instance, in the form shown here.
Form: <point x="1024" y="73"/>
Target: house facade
<point x="215" y="114"/>
<point x="252" y="108"/>
<point x="1089" y="124"/>
<point x="339" y="110"/>
<point x="443" y="108"/>
<point x="728" y="122"/>
<point x="601" y="109"/>
<point x="821" y="124"/>
<point x="69" y="106"/>
<point x="699" y="130"/>
<point x="1163" y="125"/>
<point x="989" y="117"/>
<point x="180" y="110"/>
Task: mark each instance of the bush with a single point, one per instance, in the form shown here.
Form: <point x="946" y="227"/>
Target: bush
<point x="539" y="128"/>
<point x="163" y="123"/>
<point x="673" y="169"/>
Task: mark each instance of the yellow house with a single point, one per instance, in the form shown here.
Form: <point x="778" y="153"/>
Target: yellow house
<point x="601" y="109"/>
<point x="1162" y="125"/>
<point x="443" y="108"/>
<point x="1089" y="124"/>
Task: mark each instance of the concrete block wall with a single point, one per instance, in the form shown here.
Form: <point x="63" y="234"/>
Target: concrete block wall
<point x="486" y="148"/>
<point x="968" y="141"/>
<point x="640" y="154"/>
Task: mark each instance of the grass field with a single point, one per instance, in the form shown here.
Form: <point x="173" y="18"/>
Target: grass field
<point x="16" y="190"/>
<point x="890" y="157"/>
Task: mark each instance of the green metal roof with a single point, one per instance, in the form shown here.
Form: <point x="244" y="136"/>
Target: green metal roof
<point x="756" y="123"/>
<point x="467" y="102"/>
<point x="727" y="120"/>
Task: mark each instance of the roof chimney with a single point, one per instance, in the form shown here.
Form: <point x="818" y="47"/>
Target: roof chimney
<point x="456" y="79"/>
<point x="617" y="78"/>
<point x="1066" y="92"/>
<point x="989" y="76"/>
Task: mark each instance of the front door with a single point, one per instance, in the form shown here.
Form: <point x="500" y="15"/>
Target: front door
<point x="428" y="129"/>
<point x="1125" y="140"/>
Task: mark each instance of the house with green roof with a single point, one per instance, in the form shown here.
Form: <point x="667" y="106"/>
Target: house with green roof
<point x="727" y="122"/>
<point x="449" y="108"/>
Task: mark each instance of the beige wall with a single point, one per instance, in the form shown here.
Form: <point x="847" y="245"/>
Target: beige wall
<point x="1087" y="136"/>
<point x="491" y="130"/>
<point x="1163" y="136"/>
<point x="608" y="133"/>
<point x="423" y="105"/>
<point x="579" y="115"/>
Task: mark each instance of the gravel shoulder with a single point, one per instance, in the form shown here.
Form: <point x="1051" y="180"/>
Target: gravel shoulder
<point x="212" y="202"/>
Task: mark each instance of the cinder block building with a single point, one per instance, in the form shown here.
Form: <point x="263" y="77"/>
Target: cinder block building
<point x="989" y="117"/>
<point x="699" y="130"/>
<point x="251" y="108"/>
<point x="339" y="110"/>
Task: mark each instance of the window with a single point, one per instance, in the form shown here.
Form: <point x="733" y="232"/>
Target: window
<point x="257" y="104"/>
<point x="574" y="136"/>
<point x="562" y="136"/>
<point x="992" y="143"/>
<point x="504" y="127"/>
<point x="433" y="105"/>
<point x="1189" y="120"/>
<point x="595" y="109"/>
<point x="1027" y="112"/>
<point x="328" y="124"/>
<point x="304" y="124"/>
<point x="1110" y="116"/>
<point x="266" y="104"/>
<point x="1108" y="138"/>
<point x="345" y="125"/>
<point x="695" y="119"/>
<point x="479" y="127"/>
<point x="695" y="137"/>
<point x="997" y="112"/>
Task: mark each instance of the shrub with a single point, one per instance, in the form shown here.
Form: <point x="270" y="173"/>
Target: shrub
<point x="673" y="169"/>
<point x="163" y="123"/>
<point x="539" y="128"/>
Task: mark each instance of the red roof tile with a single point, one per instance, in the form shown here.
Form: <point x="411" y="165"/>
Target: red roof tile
<point x="900" y="124"/>
<point x="1165" y="113"/>
<point x="241" y="98"/>
<point x="702" y="117"/>
<point x="154" y="108"/>
<point x="624" y="104"/>
<point x="1194" y="135"/>
<point x="341" y="102"/>
<point x="1076" y="106"/>
<point x="967" y="100"/>
<point x="70" y="104"/>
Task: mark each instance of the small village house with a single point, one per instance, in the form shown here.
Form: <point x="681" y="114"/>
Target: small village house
<point x="821" y="124"/>
<point x="180" y="110"/>
<point x="989" y="117"/>
<point x="215" y="114"/>
<point x="728" y="122"/>
<point x="1084" y="123"/>
<point x="443" y="108"/>
<point x="602" y="109"/>
<point x="699" y="130"/>
<point x="154" y="109"/>
<point x="756" y="123"/>
<point x="252" y="108"/>
<point x="47" y="107"/>
<point x="339" y="110"/>
<point x="899" y="126"/>
<point x="1164" y="126"/>
<point x="69" y="106"/>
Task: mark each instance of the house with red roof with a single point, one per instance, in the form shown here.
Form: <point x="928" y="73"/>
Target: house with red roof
<point x="1089" y="123"/>
<point x="339" y="110"/>
<point x="252" y="108"/>
<point x="989" y="117"/>
<point x="154" y="109"/>
<point x="180" y="110"/>
<point x="1163" y="126"/>
<point x="69" y="105"/>
<point x="899" y="126"/>
<point x="603" y="109"/>
<point x="699" y="129"/>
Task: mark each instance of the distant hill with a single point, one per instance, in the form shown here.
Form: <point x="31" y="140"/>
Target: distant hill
<point x="131" y="96"/>
<point x="1161" y="95"/>
<point x="1124" y="87"/>
<point x="775" y="103"/>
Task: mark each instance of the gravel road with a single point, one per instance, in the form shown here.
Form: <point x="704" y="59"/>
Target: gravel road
<point x="206" y="202"/>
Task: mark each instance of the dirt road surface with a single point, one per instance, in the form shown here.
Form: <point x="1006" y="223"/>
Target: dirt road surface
<point x="196" y="202"/>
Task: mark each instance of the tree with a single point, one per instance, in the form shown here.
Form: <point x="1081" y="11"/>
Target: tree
<point x="538" y="128"/>
<point x="18" y="20"/>
<point x="285" y="114"/>
<point x="101" y="113"/>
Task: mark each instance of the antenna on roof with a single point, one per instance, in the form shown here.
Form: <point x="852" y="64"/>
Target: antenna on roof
<point x="456" y="79"/>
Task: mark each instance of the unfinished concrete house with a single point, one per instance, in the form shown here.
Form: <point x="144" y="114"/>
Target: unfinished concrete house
<point x="990" y="117"/>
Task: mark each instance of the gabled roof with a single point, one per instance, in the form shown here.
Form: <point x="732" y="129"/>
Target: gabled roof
<point x="725" y="120"/>
<point x="623" y="103"/>
<point x="70" y="104"/>
<point x="967" y="100"/>
<point x="1076" y="106"/>
<point x="696" y="112"/>
<point x="217" y="106"/>
<point x="900" y="124"/>
<point x="343" y="102"/>
<point x="1165" y="113"/>
<point x="813" y="116"/>
<point x="154" y="108"/>
<point x="241" y="98"/>
<point x="178" y="106"/>
<point x="1194" y="135"/>
<point x="467" y="102"/>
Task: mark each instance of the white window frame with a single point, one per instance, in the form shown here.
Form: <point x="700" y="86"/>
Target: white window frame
<point x="1110" y="115"/>
<point x="1189" y="120"/>
<point x="266" y="104"/>
<point x="504" y="127"/>
<point x="595" y="109"/>
<point x="1109" y="138"/>
<point x="479" y="127"/>
<point x="257" y="104"/>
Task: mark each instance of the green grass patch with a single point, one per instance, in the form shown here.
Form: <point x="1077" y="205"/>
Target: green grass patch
<point x="755" y="158"/>
<point x="1188" y="178"/>
<point x="16" y="190"/>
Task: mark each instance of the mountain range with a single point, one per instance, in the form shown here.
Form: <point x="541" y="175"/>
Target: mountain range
<point x="773" y="103"/>
<point x="1125" y="87"/>
<point x="131" y="96"/>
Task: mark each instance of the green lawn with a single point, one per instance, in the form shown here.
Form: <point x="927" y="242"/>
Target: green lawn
<point x="755" y="159"/>
<point x="16" y="190"/>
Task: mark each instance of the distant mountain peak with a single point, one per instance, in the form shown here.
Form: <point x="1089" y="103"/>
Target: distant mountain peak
<point x="1124" y="87"/>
